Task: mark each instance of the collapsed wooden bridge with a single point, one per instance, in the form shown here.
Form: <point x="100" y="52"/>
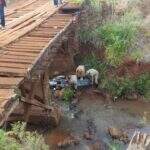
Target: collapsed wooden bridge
<point x="34" y="33"/>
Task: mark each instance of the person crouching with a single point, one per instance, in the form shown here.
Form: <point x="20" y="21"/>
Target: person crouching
<point x="94" y="74"/>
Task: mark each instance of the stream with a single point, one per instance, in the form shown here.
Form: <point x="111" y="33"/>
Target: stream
<point x="127" y="115"/>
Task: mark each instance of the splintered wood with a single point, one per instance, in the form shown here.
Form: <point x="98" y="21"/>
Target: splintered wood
<point x="30" y="28"/>
<point x="139" y="141"/>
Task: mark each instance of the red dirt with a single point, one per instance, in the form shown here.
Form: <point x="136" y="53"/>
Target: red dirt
<point x="132" y="68"/>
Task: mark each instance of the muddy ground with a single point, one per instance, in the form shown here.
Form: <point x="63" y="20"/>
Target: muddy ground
<point x="94" y="112"/>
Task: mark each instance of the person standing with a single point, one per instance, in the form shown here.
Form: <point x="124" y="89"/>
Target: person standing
<point x="56" y="3"/>
<point x="2" y="15"/>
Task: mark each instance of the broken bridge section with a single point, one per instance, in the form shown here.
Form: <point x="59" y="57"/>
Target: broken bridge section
<point x="28" y="48"/>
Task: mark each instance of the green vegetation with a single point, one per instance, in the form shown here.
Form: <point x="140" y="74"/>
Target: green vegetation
<point x="121" y="87"/>
<point x="118" y="87"/>
<point x="142" y="85"/>
<point x="68" y="94"/>
<point x="136" y="55"/>
<point x="20" y="139"/>
<point x="113" y="145"/>
<point x="8" y="143"/>
<point x="118" y="37"/>
<point x="76" y="1"/>
<point x="117" y="34"/>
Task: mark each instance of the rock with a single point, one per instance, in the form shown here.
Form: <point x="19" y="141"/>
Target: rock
<point x="88" y="136"/>
<point x="91" y="126"/>
<point x="91" y="130"/>
<point x="78" y="113"/>
<point x="71" y="139"/>
<point x="118" y="134"/>
<point x="75" y="101"/>
<point x="73" y="104"/>
<point x="58" y="94"/>
<point x="95" y="146"/>
<point x="132" y="96"/>
<point x="114" y="133"/>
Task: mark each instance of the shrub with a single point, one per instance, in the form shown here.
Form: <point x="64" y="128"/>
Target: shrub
<point x="76" y="1"/>
<point x="19" y="128"/>
<point x="29" y="140"/>
<point x="136" y="55"/>
<point x="89" y="19"/>
<point x="142" y="85"/>
<point x="120" y="87"/>
<point x="114" y="145"/>
<point x="68" y="94"/>
<point x="25" y="140"/>
<point x="7" y="143"/>
<point x="118" y="36"/>
<point x="34" y="141"/>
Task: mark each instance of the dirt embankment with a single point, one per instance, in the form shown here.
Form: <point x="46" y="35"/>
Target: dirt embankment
<point x="132" y="68"/>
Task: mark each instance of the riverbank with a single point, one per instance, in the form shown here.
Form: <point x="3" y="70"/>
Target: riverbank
<point x="127" y="115"/>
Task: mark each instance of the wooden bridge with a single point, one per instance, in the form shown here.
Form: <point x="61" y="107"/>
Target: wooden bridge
<point x="35" y="31"/>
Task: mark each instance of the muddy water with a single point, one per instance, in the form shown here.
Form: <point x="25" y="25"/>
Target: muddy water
<point x="127" y="115"/>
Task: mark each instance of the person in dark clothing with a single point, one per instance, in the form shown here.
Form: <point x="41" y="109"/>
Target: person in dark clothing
<point x="56" y="3"/>
<point x="2" y="16"/>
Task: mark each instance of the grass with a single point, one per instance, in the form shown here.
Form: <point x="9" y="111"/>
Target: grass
<point x="118" y="87"/>
<point x="21" y="139"/>
<point x="68" y="94"/>
<point x="142" y="85"/>
<point x="118" y="37"/>
<point x="117" y="34"/>
<point x="76" y="1"/>
<point x="113" y="145"/>
<point x="137" y="55"/>
<point x="7" y="143"/>
<point x="121" y="87"/>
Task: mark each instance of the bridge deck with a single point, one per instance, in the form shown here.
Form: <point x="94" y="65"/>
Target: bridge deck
<point x="30" y="28"/>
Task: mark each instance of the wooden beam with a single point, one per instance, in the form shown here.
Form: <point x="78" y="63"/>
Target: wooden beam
<point x="28" y="99"/>
<point x="46" y="90"/>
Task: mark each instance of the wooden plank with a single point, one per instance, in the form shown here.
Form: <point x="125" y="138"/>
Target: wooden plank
<point x="19" y="53"/>
<point x="29" y="2"/>
<point x="5" y="94"/>
<point x="15" y="61"/>
<point x="12" y="72"/>
<point x="29" y="98"/>
<point x="14" y="65"/>
<point x="30" y="27"/>
<point x="9" y="83"/>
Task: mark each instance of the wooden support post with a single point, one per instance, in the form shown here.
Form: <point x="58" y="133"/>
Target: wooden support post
<point x="46" y="90"/>
<point x="29" y="98"/>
